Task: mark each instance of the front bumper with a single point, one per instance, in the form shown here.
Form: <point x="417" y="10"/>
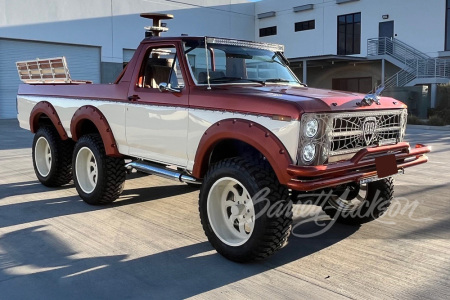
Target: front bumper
<point x="360" y="167"/>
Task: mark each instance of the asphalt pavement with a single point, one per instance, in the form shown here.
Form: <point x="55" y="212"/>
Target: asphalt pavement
<point x="149" y="244"/>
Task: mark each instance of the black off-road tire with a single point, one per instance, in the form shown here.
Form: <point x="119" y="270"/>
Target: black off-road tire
<point x="271" y="230"/>
<point x="111" y="172"/>
<point x="378" y="198"/>
<point x="60" y="171"/>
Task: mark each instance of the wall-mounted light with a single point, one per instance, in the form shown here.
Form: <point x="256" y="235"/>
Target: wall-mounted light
<point x="385" y="17"/>
<point x="266" y="15"/>
<point x="344" y="1"/>
<point x="303" y="7"/>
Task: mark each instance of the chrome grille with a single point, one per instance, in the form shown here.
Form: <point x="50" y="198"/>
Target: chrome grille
<point x="347" y="133"/>
<point x="342" y="134"/>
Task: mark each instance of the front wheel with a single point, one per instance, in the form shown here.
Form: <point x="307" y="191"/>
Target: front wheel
<point x="244" y="210"/>
<point x="356" y="204"/>
<point x="99" y="179"/>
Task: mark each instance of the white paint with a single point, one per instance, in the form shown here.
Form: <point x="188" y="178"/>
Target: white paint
<point x="164" y="134"/>
<point x="114" y="113"/>
<point x="418" y="23"/>
<point x="157" y="133"/>
<point x="201" y="120"/>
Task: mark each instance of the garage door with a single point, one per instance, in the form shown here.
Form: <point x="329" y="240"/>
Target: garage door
<point x="83" y="61"/>
<point x="128" y="55"/>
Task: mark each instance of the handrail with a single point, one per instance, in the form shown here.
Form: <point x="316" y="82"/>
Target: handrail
<point x="416" y="63"/>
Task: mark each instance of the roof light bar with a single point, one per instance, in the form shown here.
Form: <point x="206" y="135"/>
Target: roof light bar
<point x="264" y="46"/>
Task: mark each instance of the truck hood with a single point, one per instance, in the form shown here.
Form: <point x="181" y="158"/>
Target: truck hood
<point x="282" y="100"/>
<point x="321" y="100"/>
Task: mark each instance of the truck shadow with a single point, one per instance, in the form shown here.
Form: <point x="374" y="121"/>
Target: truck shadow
<point x="26" y="211"/>
<point x="174" y="274"/>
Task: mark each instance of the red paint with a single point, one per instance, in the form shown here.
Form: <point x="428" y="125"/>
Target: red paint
<point x="253" y="134"/>
<point x="45" y="108"/>
<point x="334" y="181"/>
<point x="353" y="170"/>
<point x="94" y="115"/>
<point x="109" y="92"/>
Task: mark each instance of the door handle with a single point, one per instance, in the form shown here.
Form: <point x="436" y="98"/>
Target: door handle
<point x="134" y="98"/>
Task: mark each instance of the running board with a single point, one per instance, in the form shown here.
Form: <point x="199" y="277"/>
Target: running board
<point x="155" y="169"/>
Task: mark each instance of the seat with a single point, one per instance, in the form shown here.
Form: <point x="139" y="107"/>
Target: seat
<point x="157" y="71"/>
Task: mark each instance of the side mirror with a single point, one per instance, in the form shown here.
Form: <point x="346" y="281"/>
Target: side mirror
<point x="166" y="87"/>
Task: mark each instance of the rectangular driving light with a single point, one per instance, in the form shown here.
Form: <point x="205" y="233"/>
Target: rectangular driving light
<point x="264" y="46"/>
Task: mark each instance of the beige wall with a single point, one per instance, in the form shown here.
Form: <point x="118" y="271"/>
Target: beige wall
<point x="320" y="75"/>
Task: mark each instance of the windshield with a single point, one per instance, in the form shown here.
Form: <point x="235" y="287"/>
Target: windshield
<point x="236" y="64"/>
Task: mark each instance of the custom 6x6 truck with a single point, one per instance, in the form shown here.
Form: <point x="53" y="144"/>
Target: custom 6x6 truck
<point x="227" y="115"/>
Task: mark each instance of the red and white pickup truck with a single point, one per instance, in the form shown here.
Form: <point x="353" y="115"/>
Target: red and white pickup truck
<point x="229" y="115"/>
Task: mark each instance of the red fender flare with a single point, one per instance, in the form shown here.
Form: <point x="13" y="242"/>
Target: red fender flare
<point x="45" y="108"/>
<point x="93" y="114"/>
<point x="248" y="132"/>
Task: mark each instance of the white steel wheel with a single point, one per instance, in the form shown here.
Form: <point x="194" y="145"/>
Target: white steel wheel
<point x="86" y="170"/>
<point x="231" y="212"/>
<point x="52" y="157"/>
<point x="238" y="226"/>
<point x="99" y="179"/>
<point x="43" y="156"/>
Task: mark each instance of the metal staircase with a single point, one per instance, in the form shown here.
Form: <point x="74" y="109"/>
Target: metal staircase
<point x="416" y="67"/>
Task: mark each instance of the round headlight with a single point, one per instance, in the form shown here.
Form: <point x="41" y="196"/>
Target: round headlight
<point x="309" y="151"/>
<point x="312" y="126"/>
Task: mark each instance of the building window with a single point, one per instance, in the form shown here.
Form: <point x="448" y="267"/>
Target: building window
<point x="447" y="27"/>
<point x="306" y="25"/>
<point x="268" y="31"/>
<point x="358" y="85"/>
<point x="349" y="34"/>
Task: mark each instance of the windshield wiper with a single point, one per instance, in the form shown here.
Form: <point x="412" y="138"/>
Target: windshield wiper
<point x="230" y="79"/>
<point x="277" y="80"/>
<point x="283" y="80"/>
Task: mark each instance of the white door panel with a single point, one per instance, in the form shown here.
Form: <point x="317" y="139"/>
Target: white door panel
<point x="158" y="133"/>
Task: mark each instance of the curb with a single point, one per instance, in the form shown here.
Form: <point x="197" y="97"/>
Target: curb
<point x="8" y="121"/>
<point x="427" y="127"/>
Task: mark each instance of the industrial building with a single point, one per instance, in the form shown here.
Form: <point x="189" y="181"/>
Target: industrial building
<point x="351" y="45"/>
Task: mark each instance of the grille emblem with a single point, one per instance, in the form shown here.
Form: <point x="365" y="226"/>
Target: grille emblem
<point x="368" y="129"/>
